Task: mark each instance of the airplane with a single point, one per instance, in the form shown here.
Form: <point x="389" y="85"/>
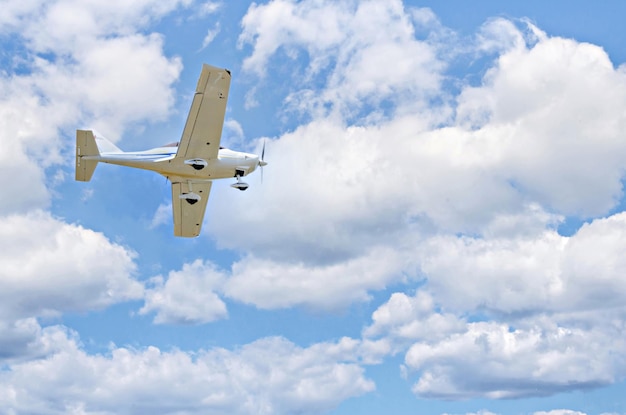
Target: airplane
<point x="191" y="164"/>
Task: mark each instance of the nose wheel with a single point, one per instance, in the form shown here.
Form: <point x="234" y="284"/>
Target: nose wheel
<point x="239" y="185"/>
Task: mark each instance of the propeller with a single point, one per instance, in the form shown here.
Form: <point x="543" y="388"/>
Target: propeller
<point x="262" y="162"/>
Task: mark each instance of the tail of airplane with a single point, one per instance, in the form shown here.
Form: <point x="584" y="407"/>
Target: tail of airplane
<point x="86" y="155"/>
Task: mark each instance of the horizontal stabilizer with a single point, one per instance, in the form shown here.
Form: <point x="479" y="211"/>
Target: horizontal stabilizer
<point x="86" y="155"/>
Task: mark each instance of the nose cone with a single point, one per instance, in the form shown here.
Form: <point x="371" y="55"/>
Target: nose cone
<point x="259" y="160"/>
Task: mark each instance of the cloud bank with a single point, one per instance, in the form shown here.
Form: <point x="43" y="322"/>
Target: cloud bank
<point x="399" y="174"/>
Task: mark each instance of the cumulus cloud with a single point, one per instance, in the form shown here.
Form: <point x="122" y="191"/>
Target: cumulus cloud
<point x="545" y="272"/>
<point x="552" y="305"/>
<point x="392" y="178"/>
<point x="193" y="294"/>
<point x="31" y="144"/>
<point x="460" y="177"/>
<point x="467" y="193"/>
<point x="537" y="140"/>
<point x="187" y="296"/>
<point x="270" y="375"/>
<point x="552" y="412"/>
<point x="503" y="362"/>
<point x="83" y="62"/>
<point x="78" y="62"/>
<point x="554" y="112"/>
<point x="404" y="319"/>
<point x="20" y="340"/>
<point x="272" y="284"/>
<point x="559" y="412"/>
<point x="65" y="268"/>
<point x="338" y="41"/>
<point x="65" y="23"/>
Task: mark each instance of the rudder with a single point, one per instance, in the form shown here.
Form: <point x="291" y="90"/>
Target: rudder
<point x="86" y="155"/>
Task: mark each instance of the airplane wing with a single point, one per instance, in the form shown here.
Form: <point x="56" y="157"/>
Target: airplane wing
<point x="203" y="129"/>
<point x="188" y="216"/>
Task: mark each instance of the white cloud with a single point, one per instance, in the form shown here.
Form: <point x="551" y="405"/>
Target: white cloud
<point x="507" y="275"/>
<point x="339" y="37"/>
<point x="350" y="189"/>
<point x="114" y="82"/>
<point x="500" y="36"/>
<point x="593" y="266"/>
<point x="96" y="71"/>
<point x="538" y="140"/>
<point x="552" y="412"/>
<point x="404" y="320"/>
<point x="211" y="34"/>
<point x="555" y="112"/>
<point x="162" y="216"/>
<point x="30" y="144"/>
<point x="21" y="340"/>
<point x="61" y="25"/>
<point x="273" y="284"/>
<point x="187" y="296"/>
<point x="559" y="412"/>
<point x="552" y="305"/>
<point x="192" y="294"/>
<point x="270" y="375"/>
<point x="208" y="8"/>
<point x="530" y="274"/>
<point x="547" y="114"/>
<point x="99" y="69"/>
<point x="482" y="412"/>
<point x="503" y="362"/>
<point x="269" y="26"/>
<point x="233" y="136"/>
<point x="372" y="191"/>
<point x="49" y="267"/>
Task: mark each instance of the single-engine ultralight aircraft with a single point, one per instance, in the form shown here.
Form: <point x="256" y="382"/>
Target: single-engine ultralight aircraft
<point x="191" y="164"/>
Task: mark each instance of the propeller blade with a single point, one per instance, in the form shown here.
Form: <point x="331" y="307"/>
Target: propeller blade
<point x="262" y="162"/>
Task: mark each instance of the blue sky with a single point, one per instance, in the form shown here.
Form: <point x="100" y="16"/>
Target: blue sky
<point x="440" y="228"/>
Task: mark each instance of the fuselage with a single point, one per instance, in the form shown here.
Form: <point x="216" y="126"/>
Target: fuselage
<point x="162" y="160"/>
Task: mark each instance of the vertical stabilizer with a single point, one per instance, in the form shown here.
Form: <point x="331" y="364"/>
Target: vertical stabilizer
<point x="86" y="155"/>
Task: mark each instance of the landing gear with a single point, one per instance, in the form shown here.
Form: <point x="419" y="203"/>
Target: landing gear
<point x="191" y="198"/>
<point x="197" y="164"/>
<point x="239" y="185"/>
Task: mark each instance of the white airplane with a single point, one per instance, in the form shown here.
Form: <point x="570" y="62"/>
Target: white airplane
<point x="190" y="165"/>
